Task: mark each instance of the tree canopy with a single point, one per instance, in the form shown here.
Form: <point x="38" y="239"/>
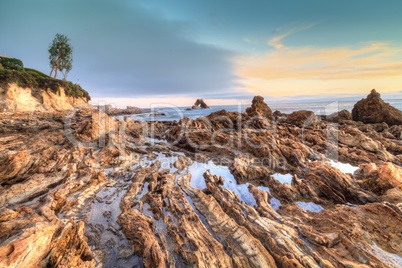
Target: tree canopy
<point x="60" y="55"/>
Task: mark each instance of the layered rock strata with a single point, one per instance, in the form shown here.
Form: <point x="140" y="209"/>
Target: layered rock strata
<point x="228" y="190"/>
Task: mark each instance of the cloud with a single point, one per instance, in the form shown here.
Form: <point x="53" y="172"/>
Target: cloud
<point x="287" y="30"/>
<point x="367" y="61"/>
<point x="276" y="42"/>
<point x="313" y="70"/>
<point x="120" y="48"/>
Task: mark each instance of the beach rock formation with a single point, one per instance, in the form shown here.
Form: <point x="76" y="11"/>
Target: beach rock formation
<point x="380" y="179"/>
<point x="200" y="103"/>
<point x="301" y="118"/>
<point x="85" y="189"/>
<point x="339" y="116"/>
<point x="344" y="115"/>
<point x="259" y="108"/>
<point x="374" y="110"/>
<point x="42" y="243"/>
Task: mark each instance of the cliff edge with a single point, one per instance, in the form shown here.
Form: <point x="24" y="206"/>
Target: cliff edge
<point x="28" y="90"/>
<point x="14" y="98"/>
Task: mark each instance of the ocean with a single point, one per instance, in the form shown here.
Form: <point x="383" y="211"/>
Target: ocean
<point x="320" y="108"/>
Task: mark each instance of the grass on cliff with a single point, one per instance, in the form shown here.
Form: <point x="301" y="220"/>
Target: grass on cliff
<point x="32" y="78"/>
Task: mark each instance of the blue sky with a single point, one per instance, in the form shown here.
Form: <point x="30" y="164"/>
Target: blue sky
<point x="142" y="52"/>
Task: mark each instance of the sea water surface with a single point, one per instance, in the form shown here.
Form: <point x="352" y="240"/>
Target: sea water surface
<point x="320" y="108"/>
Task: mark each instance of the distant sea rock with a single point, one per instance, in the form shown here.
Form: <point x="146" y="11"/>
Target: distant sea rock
<point x="200" y="103"/>
<point x="110" y="110"/>
<point x="259" y="107"/>
<point x="374" y="110"/>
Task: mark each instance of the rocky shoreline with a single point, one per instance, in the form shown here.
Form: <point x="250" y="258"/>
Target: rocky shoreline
<point x="257" y="189"/>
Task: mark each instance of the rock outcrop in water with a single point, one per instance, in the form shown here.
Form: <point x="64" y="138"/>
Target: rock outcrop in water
<point x="228" y="190"/>
<point x="200" y="103"/>
<point x="374" y="110"/>
<point x="110" y="110"/>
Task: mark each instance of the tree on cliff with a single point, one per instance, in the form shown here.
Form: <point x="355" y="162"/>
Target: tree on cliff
<point x="60" y="55"/>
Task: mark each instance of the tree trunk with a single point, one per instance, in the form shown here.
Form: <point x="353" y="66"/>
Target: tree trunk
<point x="65" y="73"/>
<point x="55" y="72"/>
<point x="57" y="66"/>
<point x="51" y="72"/>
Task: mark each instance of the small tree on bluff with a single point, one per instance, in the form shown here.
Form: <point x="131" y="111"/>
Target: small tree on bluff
<point x="60" y="55"/>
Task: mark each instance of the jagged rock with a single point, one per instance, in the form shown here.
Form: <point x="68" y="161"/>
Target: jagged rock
<point x="46" y="244"/>
<point x="367" y="147"/>
<point x="379" y="179"/>
<point x="369" y="228"/>
<point x="302" y="118"/>
<point x="278" y="239"/>
<point x="396" y="131"/>
<point x="29" y="248"/>
<point x="36" y="185"/>
<point x="393" y="195"/>
<point x="49" y="159"/>
<point x="140" y="209"/>
<point x="344" y="115"/>
<point x="200" y="103"/>
<point x="13" y="164"/>
<point x="138" y="227"/>
<point x="246" y="251"/>
<point x="7" y="214"/>
<point x="259" y="108"/>
<point x="339" y="116"/>
<point x="324" y="180"/>
<point x="70" y="248"/>
<point x="244" y="170"/>
<point x="374" y="110"/>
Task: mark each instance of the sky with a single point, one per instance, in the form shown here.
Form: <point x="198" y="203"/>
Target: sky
<point x="147" y="52"/>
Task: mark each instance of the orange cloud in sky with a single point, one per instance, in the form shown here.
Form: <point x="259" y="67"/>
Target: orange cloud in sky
<point x="287" y="30"/>
<point x="311" y="70"/>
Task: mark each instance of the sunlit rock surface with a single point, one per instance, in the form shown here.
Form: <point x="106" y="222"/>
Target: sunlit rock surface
<point x="374" y="110"/>
<point x="227" y="190"/>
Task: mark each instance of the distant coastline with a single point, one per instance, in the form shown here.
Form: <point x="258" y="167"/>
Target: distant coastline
<point x="319" y="108"/>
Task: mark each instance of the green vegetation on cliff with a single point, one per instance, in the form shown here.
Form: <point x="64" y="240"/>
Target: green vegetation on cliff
<point x="11" y="63"/>
<point x="27" y="77"/>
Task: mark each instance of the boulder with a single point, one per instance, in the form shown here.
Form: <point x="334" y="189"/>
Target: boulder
<point x="374" y="110"/>
<point x="339" y="116"/>
<point x="259" y="108"/>
<point x="345" y="115"/>
<point x="379" y="178"/>
<point x="301" y="118"/>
